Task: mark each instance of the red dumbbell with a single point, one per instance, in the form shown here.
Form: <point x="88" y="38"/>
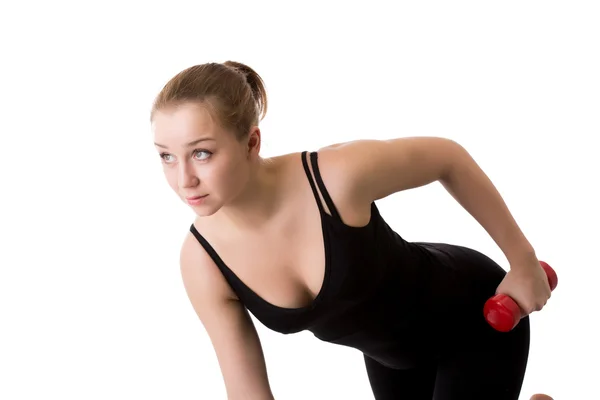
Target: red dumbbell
<point x="503" y="313"/>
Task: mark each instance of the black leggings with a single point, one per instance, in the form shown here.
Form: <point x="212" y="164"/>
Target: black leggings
<point x="473" y="361"/>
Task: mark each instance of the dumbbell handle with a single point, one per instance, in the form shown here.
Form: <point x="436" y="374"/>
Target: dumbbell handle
<point x="503" y="313"/>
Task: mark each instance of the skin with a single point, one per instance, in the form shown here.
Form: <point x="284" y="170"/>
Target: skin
<point x="262" y="219"/>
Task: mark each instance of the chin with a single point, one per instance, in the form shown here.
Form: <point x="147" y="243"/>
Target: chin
<point x="205" y="210"/>
<point x="203" y="213"/>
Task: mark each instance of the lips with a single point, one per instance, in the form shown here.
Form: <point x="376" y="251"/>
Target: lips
<point x="195" y="200"/>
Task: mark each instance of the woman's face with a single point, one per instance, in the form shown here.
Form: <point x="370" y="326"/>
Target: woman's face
<point x="205" y="165"/>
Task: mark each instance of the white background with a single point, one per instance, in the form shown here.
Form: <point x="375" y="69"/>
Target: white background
<point x="91" y="300"/>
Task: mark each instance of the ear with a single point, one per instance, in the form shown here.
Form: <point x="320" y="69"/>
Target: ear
<point x="254" y="141"/>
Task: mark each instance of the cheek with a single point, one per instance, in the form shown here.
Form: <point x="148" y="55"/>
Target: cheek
<point x="231" y="178"/>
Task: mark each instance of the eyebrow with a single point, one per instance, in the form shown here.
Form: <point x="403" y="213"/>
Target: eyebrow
<point x="192" y="143"/>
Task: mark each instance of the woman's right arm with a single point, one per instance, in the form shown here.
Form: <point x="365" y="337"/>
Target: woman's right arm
<point x="228" y="324"/>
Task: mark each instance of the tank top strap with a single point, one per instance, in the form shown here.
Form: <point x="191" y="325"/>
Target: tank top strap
<point x="213" y="254"/>
<point x="320" y="184"/>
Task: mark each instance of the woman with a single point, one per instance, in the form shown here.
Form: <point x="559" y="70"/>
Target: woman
<point x="298" y="241"/>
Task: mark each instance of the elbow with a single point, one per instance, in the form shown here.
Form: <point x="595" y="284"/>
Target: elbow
<point x="458" y="158"/>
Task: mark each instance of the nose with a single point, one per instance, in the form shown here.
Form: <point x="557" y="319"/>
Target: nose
<point x="187" y="176"/>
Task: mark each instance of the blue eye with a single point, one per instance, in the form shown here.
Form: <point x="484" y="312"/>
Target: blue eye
<point x="206" y="153"/>
<point x="164" y="156"/>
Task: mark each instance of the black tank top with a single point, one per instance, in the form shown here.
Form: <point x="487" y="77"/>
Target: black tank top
<point x="370" y="290"/>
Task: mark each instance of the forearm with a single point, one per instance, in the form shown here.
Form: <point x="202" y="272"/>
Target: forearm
<point x="475" y="192"/>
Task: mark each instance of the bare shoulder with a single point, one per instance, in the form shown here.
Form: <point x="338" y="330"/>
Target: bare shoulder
<point x="198" y="269"/>
<point x="359" y="172"/>
<point x="367" y="170"/>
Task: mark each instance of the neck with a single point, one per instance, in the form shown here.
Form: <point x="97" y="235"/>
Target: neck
<point x="258" y="202"/>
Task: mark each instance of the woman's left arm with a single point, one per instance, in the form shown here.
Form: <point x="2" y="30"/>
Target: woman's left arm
<point x="373" y="169"/>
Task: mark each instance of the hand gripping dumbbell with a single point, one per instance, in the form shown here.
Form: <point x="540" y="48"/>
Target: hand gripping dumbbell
<point x="503" y="313"/>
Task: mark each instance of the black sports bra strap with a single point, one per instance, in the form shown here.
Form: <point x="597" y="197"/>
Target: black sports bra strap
<point x="322" y="188"/>
<point x="207" y="247"/>
<point x="321" y="184"/>
<point x="312" y="183"/>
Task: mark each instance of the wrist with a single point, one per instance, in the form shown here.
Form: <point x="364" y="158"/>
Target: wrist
<point x="521" y="255"/>
<point x="515" y="246"/>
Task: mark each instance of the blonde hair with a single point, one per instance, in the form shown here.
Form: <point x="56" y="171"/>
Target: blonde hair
<point x="233" y="93"/>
